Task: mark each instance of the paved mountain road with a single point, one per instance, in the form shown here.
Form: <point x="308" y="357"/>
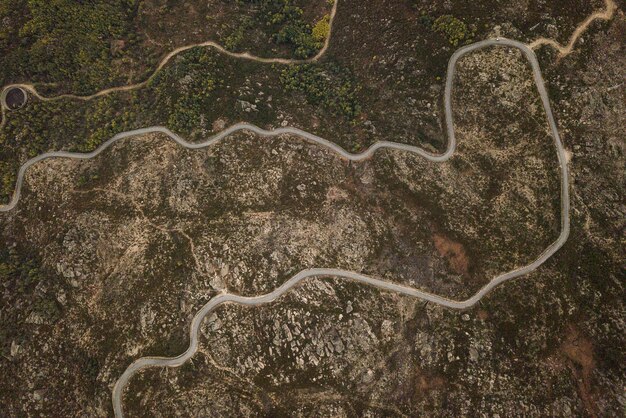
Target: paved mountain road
<point x="349" y="275"/>
<point x="321" y="272"/>
<point x="527" y="50"/>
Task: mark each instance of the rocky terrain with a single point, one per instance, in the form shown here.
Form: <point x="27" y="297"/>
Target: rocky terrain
<point x="107" y="260"/>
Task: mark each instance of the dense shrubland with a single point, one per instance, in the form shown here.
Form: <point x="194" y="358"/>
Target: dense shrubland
<point x="327" y="85"/>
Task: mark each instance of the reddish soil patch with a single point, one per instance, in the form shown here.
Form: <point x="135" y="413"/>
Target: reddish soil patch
<point x="427" y="383"/>
<point x="454" y="252"/>
<point x="483" y="315"/>
<point x="579" y="352"/>
<point x="421" y="384"/>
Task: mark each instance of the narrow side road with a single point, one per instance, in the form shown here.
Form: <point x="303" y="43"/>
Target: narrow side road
<point x="606" y="14"/>
<point x="241" y="55"/>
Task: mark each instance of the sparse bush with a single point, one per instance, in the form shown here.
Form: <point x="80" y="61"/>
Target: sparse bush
<point x="48" y="308"/>
<point x="426" y="20"/>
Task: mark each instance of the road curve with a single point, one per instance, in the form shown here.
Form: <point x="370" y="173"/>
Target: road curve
<point x="606" y="14"/>
<point x="240" y="55"/>
<point x="349" y="275"/>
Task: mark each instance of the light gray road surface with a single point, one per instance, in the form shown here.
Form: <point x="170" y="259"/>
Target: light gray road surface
<point x="321" y="272"/>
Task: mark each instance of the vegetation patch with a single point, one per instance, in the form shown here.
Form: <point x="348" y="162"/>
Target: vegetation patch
<point x="184" y="92"/>
<point x="25" y="279"/>
<point x="327" y="85"/>
<point x="453" y="29"/>
<point x="283" y="22"/>
<point x="237" y="36"/>
<point x="8" y="174"/>
<point x="321" y="30"/>
<point x="65" y="40"/>
<point x="80" y="47"/>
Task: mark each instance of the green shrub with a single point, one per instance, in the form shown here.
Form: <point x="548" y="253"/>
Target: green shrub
<point x="454" y="29"/>
<point x="321" y="30"/>
<point x="234" y="40"/>
<point x="299" y="35"/>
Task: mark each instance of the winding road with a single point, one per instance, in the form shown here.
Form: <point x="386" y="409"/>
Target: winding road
<point x="240" y="55"/>
<point x="606" y="14"/>
<point x="145" y="362"/>
<point x="325" y="272"/>
<point x="527" y="50"/>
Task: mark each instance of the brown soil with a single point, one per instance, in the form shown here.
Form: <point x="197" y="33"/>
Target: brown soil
<point x="579" y="352"/>
<point x="427" y="383"/>
<point x="454" y="252"/>
<point x="483" y="315"/>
